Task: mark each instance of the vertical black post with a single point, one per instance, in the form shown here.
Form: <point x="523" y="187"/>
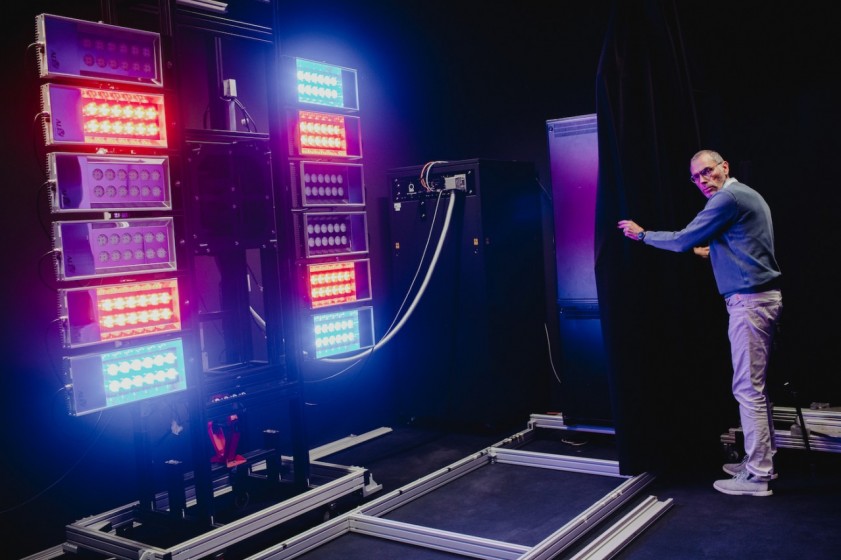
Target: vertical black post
<point x="146" y="494"/>
<point x="286" y="256"/>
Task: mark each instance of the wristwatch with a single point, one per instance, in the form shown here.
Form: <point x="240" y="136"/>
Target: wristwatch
<point x="641" y="235"/>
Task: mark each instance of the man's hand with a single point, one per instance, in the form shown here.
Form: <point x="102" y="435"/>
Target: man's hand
<point x="630" y="228"/>
<point x="703" y="252"/>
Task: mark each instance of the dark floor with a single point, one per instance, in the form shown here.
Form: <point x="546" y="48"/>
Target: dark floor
<point x="801" y="520"/>
<point x="514" y="504"/>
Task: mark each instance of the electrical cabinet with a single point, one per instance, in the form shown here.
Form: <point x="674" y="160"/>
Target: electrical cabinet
<point x="473" y="353"/>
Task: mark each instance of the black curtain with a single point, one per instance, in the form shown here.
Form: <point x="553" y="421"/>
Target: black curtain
<point x="663" y="322"/>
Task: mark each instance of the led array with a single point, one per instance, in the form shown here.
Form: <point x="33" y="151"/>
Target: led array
<point x="332" y="283"/>
<point x="109" y="182"/>
<point x="329" y="184"/>
<point x="132" y="246"/>
<point x="116" y="55"/>
<point x="88" y="50"/>
<point x="132" y="116"/>
<point x="109" y="247"/>
<point x="110" y="379"/>
<point x="137" y="373"/>
<point x="336" y="333"/>
<point x="324" y="186"/>
<point x="328" y="235"/>
<point x="95" y="116"/>
<point x="319" y="83"/>
<point x="322" y="134"/>
<point x="121" y="311"/>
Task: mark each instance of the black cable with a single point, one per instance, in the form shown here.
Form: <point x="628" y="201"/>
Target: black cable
<point x="248" y="119"/>
<point x="546" y="192"/>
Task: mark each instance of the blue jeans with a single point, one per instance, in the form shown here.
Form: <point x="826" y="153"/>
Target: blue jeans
<point x="753" y="320"/>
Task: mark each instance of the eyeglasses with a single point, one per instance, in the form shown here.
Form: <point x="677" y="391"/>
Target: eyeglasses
<point x="705" y="172"/>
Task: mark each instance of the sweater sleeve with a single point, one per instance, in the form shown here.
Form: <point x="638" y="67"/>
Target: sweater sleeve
<point x="718" y="214"/>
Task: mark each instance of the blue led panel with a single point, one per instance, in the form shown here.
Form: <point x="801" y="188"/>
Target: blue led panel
<point x="327" y="85"/>
<point x="108" y="379"/>
<point x="341" y="332"/>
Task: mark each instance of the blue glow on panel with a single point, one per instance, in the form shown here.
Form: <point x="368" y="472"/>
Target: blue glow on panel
<point x="109" y="379"/>
<point x="144" y="372"/>
<point x="319" y="84"/>
<point x="336" y="333"/>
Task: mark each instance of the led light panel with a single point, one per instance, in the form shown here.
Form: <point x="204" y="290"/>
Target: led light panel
<point x="79" y="115"/>
<point x="97" y="51"/>
<point x="342" y="332"/>
<point x="328" y="184"/>
<point x="113" y="247"/>
<point x="109" y="379"/>
<point x="326" y="134"/>
<point x="327" y="85"/>
<point x="108" y="182"/>
<point x="120" y="311"/>
<point x="336" y="283"/>
<point x="332" y="234"/>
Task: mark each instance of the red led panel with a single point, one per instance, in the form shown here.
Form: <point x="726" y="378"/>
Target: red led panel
<point x="331" y="284"/>
<point x="122" y="311"/>
<point x="78" y="115"/>
<point x="322" y="134"/>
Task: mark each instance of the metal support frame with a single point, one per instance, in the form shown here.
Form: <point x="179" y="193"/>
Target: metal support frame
<point x="89" y="533"/>
<point x="346" y="442"/>
<point x="818" y="423"/>
<point x="625" y="530"/>
<point x="367" y="519"/>
<point x="94" y="533"/>
<point x="54" y="552"/>
<point x="556" y="421"/>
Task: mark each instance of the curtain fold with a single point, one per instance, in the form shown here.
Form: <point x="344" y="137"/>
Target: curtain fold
<point x="664" y="325"/>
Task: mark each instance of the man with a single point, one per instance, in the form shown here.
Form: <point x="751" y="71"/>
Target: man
<point x="736" y="226"/>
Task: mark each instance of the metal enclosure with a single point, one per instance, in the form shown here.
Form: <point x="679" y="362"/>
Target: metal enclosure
<point x="473" y="353"/>
<point x="574" y="162"/>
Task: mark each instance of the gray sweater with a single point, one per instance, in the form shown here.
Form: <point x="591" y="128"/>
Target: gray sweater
<point x="736" y="223"/>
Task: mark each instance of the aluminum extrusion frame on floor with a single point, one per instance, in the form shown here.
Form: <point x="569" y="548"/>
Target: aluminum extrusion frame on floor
<point x="98" y="533"/>
<point x="367" y="519"/>
<point x="817" y="421"/>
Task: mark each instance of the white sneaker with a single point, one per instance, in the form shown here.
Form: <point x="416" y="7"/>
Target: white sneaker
<point x="735" y="468"/>
<point x="743" y="484"/>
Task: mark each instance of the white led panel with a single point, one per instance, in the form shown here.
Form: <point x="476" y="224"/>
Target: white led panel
<point x="78" y="49"/>
<point x="84" y="182"/>
<point x="102" y="248"/>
